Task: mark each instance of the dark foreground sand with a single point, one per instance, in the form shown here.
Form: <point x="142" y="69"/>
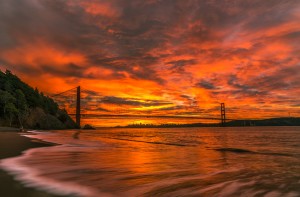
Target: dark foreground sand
<point x="11" y="145"/>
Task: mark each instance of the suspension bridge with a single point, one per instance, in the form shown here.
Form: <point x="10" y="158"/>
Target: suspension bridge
<point x="83" y="103"/>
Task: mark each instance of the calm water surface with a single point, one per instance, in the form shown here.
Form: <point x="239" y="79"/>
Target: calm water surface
<point x="245" y="161"/>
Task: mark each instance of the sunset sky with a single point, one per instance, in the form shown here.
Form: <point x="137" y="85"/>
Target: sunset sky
<point x="169" y="56"/>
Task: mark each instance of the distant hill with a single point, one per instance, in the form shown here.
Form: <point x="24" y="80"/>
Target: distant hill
<point x="285" y="121"/>
<point x="290" y="121"/>
<point x="23" y="106"/>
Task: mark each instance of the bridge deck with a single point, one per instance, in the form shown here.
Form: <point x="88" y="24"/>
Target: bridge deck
<point x="146" y="116"/>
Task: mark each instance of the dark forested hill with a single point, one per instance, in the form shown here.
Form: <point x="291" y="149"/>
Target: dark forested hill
<point x="21" y="105"/>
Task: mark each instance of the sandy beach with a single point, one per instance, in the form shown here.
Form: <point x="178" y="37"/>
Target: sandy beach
<point x="13" y="144"/>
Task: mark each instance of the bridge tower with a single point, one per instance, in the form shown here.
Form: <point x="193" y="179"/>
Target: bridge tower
<point x="78" y="107"/>
<point x="223" y="115"/>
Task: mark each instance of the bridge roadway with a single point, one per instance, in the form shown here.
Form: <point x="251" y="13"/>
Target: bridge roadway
<point x="146" y="116"/>
<point x="78" y="115"/>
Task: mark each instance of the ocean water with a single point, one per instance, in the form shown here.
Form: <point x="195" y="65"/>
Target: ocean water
<point x="244" y="161"/>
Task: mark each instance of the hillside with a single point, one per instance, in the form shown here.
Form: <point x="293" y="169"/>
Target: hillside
<point x="284" y="121"/>
<point x="23" y="106"/>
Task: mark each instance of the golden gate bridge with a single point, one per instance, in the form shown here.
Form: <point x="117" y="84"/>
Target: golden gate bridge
<point x="83" y="103"/>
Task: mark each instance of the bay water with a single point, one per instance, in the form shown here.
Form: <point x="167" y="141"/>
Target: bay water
<point x="230" y="161"/>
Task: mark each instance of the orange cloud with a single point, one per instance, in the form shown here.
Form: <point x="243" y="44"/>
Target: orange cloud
<point x="100" y="8"/>
<point x="181" y="57"/>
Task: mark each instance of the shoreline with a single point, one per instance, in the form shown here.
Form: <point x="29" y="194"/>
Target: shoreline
<point x="12" y="144"/>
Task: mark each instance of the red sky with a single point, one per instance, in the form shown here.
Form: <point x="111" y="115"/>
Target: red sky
<point x="174" y="56"/>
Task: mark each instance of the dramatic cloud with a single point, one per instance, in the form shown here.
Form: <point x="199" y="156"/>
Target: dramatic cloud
<point x="172" y="55"/>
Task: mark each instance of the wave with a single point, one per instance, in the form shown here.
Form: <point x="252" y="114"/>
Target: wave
<point x="71" y="140"/>
<point x="235" y="150"/>
<point x="148" y="142"/>
<point x="32" y="177"/>
<point x="245" y="151"/>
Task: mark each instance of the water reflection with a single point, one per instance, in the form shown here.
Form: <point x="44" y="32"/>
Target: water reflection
<point x="76" y="134"/>
<point x="166" y="162"/>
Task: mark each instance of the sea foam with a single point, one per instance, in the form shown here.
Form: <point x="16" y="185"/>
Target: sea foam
<point x="31" y="177"/>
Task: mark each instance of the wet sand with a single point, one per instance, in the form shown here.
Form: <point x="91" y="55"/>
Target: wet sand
<point x="13" y="144"/>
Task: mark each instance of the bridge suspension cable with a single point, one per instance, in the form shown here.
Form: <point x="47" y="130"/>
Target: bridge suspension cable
<point x="55" y="95"/>
<point x="98" y="105"/>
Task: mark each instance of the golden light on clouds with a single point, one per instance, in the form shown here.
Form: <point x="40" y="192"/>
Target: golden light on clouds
<point x="168" y="57"/>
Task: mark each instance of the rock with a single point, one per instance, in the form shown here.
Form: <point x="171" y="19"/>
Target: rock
<point x="88" y="127"/>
